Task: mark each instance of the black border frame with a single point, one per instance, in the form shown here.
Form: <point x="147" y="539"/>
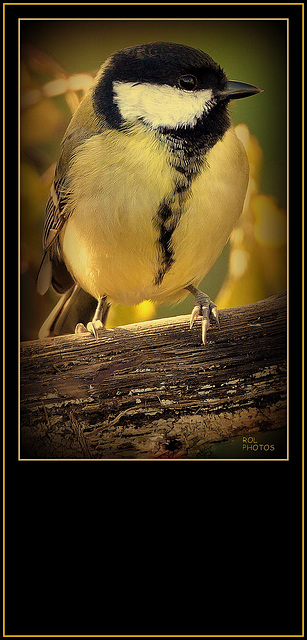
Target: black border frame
<point x="209" y="550"/>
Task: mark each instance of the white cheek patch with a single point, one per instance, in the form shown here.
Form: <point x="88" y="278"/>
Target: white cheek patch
<point x="161" y="105"/>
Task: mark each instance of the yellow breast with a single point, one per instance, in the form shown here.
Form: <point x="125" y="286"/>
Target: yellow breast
<point x="110" y="240"/>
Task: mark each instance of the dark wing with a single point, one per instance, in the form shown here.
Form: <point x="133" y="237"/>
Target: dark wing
<point x="53" y="271"/>
<point x="54" y="215"/>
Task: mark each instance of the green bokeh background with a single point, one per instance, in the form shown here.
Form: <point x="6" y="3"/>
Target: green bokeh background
<point x="254" y="51"/>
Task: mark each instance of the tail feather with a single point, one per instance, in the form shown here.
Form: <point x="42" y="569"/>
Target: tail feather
<point x="73" y="306"/>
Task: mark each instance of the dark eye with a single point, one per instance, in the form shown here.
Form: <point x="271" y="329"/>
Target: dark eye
<point x="187" y="82"/>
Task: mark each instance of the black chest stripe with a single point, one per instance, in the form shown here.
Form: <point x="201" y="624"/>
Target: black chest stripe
<point x="188" y="148"/>
<point x="166" y="221"/>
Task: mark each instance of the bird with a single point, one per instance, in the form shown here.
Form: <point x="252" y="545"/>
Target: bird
<point x="151" y="180"/>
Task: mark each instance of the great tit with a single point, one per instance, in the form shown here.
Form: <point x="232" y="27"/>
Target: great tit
<point x="150" y="182"/>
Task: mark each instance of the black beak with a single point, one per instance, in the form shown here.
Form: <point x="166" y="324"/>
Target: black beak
<point x="235" y="90"/>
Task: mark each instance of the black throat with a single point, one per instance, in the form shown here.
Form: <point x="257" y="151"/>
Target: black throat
<point x="188" y="146"/>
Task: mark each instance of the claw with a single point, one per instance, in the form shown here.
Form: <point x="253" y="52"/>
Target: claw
<point x="194" y="315"/>
<point x="80" y="328"/>
<point x="93" y="327"/>
<point x="204" y="327"/>
<point x="203" y="307"/>
<point x="215" y="314"/>
<point x="97" y="321"/>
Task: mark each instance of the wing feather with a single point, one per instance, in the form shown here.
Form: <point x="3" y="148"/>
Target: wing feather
<point x="53" y="271"/>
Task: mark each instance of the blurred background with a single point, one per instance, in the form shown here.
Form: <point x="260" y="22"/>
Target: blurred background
<point x="59" y="59"/>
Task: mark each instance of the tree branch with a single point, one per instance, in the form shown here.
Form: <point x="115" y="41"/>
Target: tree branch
<point x="152" y="390"/>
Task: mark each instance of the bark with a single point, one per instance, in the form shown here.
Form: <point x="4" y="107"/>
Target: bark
<point x="152" y="390"/>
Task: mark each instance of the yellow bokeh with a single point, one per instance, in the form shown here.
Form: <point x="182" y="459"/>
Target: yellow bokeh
<point x="258" y="244"/>
<point x="120" y="315"/>
<point x="40" y="122"/>
<point x="270" y="222"/>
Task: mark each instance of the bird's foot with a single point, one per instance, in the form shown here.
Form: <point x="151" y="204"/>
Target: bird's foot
<point x="207" y="309"/>
<point x="91" y="327"/>
<point x="97" y="321"/>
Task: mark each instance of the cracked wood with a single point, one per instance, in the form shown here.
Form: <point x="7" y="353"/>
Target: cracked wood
<point x="151" y="390"/>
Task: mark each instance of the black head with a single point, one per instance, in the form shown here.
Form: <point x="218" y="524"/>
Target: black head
<point x="164" y="63"/>
<point x="169" y="87"/>
<point x="158" y="63"/>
